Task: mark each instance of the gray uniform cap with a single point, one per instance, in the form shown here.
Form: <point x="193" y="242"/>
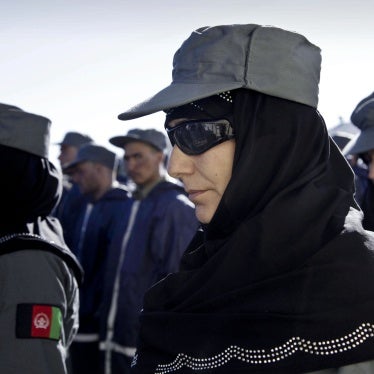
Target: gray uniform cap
<point x="94" y="153"/>
<point x="150" y="136"/>
<point x="222" y="58"/>
<point x="75" y="139"/>
<point x="25" y="131"/>
<point x="363" y="118"/>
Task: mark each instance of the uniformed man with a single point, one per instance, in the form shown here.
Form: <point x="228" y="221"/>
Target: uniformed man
<point x="99" y="230"/>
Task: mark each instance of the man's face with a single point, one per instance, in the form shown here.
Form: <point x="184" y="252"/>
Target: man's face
<point x="68" y="153"/>
<point x="142" y="163"/>
<point x="87" y="177"/>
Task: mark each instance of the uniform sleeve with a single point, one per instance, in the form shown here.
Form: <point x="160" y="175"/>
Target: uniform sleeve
<point x="173" y="232"/>
<point x="38" y="312"/>
<point x="366" y="367"/>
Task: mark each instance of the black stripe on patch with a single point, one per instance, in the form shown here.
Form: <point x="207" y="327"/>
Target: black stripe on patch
<point x="24" y="320"/>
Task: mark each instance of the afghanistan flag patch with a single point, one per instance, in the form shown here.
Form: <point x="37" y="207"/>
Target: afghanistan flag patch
<point x="38" y="321"/>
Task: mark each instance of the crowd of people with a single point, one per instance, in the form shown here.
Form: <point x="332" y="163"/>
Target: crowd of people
<point x="246" y="249"/>
<point x="125" y="239"/>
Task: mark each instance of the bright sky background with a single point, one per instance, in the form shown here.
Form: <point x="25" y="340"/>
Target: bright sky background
<point x="82" y="62"/>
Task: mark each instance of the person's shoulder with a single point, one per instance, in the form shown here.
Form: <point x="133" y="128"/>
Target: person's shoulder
<point x="171" y="203"/>
<point x="171" y="193"/>
<point x="182" y="200"/>
<point x="168" y="187"/>
<point x="39" y="247"/>
<point x="118" y="192"/>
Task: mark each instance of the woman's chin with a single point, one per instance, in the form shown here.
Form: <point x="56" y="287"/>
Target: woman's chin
<point x="203" y="215"/>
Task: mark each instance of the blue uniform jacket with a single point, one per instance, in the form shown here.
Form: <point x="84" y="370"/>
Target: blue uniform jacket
<point x="92" y="245"/>
<point x="159" y="230"/>
<point x="71" y="205"/>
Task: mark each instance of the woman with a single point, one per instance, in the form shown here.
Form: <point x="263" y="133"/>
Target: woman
<point x="38" y="274"/>
<point x="278" y="279"/>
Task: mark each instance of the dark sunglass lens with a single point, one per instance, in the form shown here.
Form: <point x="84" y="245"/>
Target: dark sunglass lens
<point x="196" y="137"/>
<point x="191" y="139"/>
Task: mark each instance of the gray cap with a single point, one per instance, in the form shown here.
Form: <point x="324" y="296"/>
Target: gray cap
<point x="151" y="137"/>
<point x="222" y="58"/>
<point x="363" y="118"/>
<point x="75" y="139"/>
<point x="94" y="153"/>
<point x="25" y="131"/>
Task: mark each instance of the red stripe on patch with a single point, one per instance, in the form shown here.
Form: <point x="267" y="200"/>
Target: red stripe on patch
<point x="41" y="321"/>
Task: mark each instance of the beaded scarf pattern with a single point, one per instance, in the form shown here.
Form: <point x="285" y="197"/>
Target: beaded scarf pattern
<point x="272" y="355"/>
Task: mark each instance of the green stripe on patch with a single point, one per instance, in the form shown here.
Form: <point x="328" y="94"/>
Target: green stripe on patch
<point x="56" y="323"/>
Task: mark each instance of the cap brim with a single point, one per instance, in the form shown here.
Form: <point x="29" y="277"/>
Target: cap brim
<point x="72" y="165"/>
<point x="120" y="141"/>
<point x="177" y="94"/>
<point x="360" y="144"/>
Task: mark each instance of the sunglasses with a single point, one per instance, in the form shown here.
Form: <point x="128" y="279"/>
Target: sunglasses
<point x="197" y="136"/>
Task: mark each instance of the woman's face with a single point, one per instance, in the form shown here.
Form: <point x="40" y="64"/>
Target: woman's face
<point x="204" y="176"/>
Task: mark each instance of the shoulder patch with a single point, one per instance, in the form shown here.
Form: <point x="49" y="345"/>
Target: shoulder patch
<point x="38" y="321"/>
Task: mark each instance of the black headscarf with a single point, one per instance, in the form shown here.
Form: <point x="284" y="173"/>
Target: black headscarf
<point x="216" y="107"/>
<point x="280" y="280"/>
<point x="30" y="188"/>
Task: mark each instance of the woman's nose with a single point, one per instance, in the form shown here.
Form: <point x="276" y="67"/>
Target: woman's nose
<point x="179" y="163"/>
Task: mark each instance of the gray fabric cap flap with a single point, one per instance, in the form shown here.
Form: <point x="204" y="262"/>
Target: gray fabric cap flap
<point x="25" y="131"/>
<point x="222" y="58"/>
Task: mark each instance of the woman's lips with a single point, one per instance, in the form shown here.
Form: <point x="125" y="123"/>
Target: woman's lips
<point x="193" y="195"/>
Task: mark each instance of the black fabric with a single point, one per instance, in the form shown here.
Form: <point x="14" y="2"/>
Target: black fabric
<point x="30" y="189"/>
<point x="85" y="358"/>
<point x="285" y="258"/>
<point x="215" y="107"/>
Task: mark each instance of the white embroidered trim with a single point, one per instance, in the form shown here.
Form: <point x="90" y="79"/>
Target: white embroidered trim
<point x="263" y="356"/>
